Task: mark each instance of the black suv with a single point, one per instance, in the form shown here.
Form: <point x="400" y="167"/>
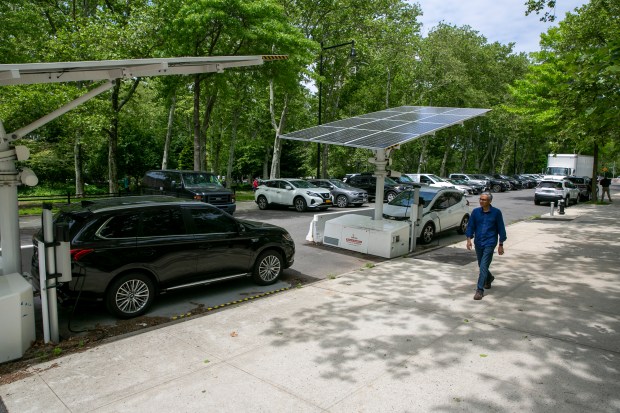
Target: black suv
<point x="198" y="185"/>
<point x="368" y="182"/>
<point x="126" y="250"/>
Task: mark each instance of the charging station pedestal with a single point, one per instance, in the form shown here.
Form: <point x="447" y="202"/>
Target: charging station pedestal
<point x="17" y="322"/>
<point x="383" y="238"/>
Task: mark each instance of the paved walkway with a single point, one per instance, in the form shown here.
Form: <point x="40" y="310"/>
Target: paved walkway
<point x="403" y="336"/>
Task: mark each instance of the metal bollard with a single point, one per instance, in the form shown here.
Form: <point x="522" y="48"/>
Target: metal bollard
<point x="551" y="208"/>
<point x="561" y="207"/>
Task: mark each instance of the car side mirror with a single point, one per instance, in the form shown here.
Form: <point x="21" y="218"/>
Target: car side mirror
<point x="288" y="187"/>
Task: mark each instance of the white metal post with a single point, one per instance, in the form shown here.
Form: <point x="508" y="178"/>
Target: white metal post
<point x="9" y="218"/>
<point x="50" y="258"/>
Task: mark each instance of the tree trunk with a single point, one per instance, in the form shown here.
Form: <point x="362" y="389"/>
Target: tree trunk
<point x="422" y="154"/>
<point x="277" y="126"/>
<point x="266" y="164"/>
<point x="446" y="152"/>
<point x="79" y="180"/>
<point x="164" y="162"/>
<point x="113" y="142"/>
<point x="206" y="121"/>
<point x="117" y="106"/>
<point x="594" y="183"/>
<point x="196" y="121"/>
<point x="231" y="149"/>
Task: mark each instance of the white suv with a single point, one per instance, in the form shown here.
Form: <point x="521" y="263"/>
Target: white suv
<point x="292" y="192"/>
<point x="430" y="179"/>
<point x="552" y="190"/>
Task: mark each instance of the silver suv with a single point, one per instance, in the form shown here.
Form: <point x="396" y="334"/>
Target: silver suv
<point x="552" y="190"/>
<point x="472" y="179"/>
<point x="343" y="193"/>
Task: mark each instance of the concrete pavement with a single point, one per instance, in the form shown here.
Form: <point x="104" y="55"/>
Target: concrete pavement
<point x="402" y="336"/>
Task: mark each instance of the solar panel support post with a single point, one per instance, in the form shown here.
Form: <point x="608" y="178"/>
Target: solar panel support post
<point x="380" y="162"/>
<point x="352" y="55"/>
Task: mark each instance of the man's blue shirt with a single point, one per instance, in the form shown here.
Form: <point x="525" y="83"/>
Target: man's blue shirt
<point x="484" y="227"/>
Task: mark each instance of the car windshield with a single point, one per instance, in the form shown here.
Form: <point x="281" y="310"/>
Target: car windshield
<point x="299" y="183"/>
<point x="390" y="181"/>
<point x="405" y="178"/>
<point x="435" y="178"/>
<point x="480" y="177"/>
<point x="405" y="198"/>
<point x="576" y="180"/>
<point x="339" y="184"/>
<point x="201" y="180"/>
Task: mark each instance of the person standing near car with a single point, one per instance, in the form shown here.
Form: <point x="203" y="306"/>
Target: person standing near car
<point x="485" y="226"/>
<point x="255" y="184"/>
<point x="605" y="182"/>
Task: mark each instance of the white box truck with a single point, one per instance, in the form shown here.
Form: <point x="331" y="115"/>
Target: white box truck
<point x="570" y="165"/>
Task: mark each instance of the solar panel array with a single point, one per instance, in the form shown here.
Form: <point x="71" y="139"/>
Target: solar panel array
<point x="386" y="128"/>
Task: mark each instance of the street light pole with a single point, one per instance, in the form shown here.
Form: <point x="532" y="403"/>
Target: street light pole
<point x="352" y="54"/>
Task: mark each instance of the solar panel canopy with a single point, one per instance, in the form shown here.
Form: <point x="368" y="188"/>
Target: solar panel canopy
<point x="386" y="128"/>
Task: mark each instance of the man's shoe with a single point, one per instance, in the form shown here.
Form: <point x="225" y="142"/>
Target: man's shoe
<point x="478" y="295"/>
<point x="488" y="282"/>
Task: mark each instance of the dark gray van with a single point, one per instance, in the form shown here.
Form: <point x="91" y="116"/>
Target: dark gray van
<point x="198" y="185"/>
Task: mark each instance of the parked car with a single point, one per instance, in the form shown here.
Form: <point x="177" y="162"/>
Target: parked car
<point x="126" y="250"/>
<point x="512" y="182"/>
<point x="444" y="209"/>
<point x="584" y="184"/>
<point x="201" y="186"/>
<point x="430" y="179"/>
<point x="297" y="193"/>
<point x="526" y="181"/>
<point x="495" y="185"/>
<point x="466" y="187"/>
<point x="485" y="182"/>
<point x="368" y="182"/>
<point x="552" y="190"/>
<point x="343" y="194"/>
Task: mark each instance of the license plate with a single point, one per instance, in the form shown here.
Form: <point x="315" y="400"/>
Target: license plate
<point x="328" y="201"/>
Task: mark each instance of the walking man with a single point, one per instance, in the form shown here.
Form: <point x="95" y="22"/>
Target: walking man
<point x="485" y="225"/>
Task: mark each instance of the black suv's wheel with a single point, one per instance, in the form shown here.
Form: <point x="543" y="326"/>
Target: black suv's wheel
<point x="428" y="233"/>
<point x="342" y="201"/>
<point x="300" y="204"/>
<point x="390" y="196"/>
<point x="130" y="295"/>
<point x="463" y="227"/>
<point x="267" y="268"/>
<point x="496" y="188"/>
<point x="262" y="202"/>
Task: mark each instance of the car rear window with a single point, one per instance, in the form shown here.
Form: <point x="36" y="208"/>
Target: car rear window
<point x="556" y="185"/>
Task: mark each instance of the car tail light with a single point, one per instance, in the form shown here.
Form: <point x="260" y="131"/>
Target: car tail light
<point x="78" y="253"/>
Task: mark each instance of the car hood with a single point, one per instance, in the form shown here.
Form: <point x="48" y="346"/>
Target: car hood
<point x="256" y="225"/>
<point x="210" y="188"/>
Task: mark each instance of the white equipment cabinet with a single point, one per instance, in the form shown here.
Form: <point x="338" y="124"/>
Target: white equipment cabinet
<point x="383" y="238"/>
<point x="17" y="322"/>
